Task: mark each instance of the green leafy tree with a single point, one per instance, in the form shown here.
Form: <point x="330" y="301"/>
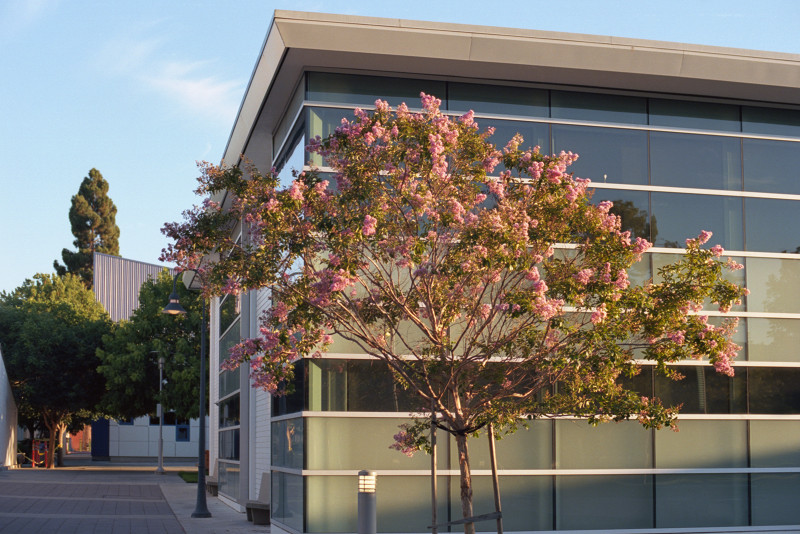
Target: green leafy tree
<point x="129" y="355"/>
<point x="481" y="287"/>
<point x="93" y="220"/>
<point x="51" y="327"/>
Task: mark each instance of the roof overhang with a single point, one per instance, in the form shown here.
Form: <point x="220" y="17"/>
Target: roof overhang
<point x="297" y="42"/>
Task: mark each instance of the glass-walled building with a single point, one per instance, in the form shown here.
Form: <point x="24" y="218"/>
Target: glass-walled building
<point x="681" y="139"/>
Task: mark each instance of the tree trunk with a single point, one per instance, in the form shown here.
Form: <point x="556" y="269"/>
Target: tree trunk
<point x="466" y="481"/>
<point x="52" y="430"/>
<point x="62" y="433"/>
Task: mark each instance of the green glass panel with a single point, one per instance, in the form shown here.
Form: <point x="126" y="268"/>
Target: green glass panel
<point x="773" y="390"/>
<point x="771" y="166"/>
<point x="356" y="442"/>
<point x="764" y="216"/>
<point x="696" y="115"/>
<point x="229" y="444"/>
<point x="698" y="500"/>
<point x="774" y="498"/>
<point x="598" y="107"/>
<point x="703" y="390"/>
<point x="527" y="448"/>
<point x="773" y="340"/>
<point x="774" y="285"/>
<point x="606" y="155"/>
<point x="771" y="121"/>
<point x="286" y="439"/>
<point x="633" y="207"/>
<point x="364" y="90"/>
<point x="774" y="443"/>
<point x="697" y="161"/>
<point x="604" y="502"/>
<point x="323" y="122"/>
<point x="286" y="505"/>
<point x="682" y="216"/>
<point x="229" y="339"/>
<point x="497" y="99"/>
<point x="533" y="134"/>
<point x="527" y="502"/>
<point x="702" y="444"/>
<point x="623" y="445"/>
<point x="229" y="382"/>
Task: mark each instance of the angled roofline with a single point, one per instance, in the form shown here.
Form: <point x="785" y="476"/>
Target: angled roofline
<point x="298" y="41"/>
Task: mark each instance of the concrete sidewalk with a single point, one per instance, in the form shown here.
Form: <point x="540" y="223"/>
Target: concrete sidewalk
<point x="104" y="497"/>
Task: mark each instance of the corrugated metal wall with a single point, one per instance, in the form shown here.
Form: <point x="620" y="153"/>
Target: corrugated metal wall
<point x="117" y="282"/>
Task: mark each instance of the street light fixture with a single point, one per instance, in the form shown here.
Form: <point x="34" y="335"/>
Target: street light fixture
<point x="160" y="468"/>
<point x="174" y="308"/>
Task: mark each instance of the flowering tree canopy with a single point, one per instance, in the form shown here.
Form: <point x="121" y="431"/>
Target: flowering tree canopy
<point x="483" y="277"/>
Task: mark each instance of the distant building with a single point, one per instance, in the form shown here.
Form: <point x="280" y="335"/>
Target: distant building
<point x="8" y="421"/>
<point x="683" y="137"/>
<point x="117" y="282"/>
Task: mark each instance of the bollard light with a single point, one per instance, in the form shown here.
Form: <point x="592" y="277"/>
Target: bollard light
<point x="367" y="503"/>
<point x="366" y="482"/>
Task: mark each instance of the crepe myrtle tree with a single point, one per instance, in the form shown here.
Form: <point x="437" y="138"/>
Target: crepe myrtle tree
<point x="481" y="276"/>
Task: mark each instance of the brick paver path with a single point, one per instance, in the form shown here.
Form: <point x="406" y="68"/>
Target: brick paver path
<point x="68" y="507"/>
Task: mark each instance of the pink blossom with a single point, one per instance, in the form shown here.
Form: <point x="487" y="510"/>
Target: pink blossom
<point x="369" y="225"/>
<point x="584" y="276"/>
<point x="717" y="250"/>
<point x="599" y="315"/>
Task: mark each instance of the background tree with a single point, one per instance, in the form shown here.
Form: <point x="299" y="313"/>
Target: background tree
<point x="129" y="356"/>
<point x="482" y="287"/>
<point x="51" y="328"/>
<point x="93" y="220"/>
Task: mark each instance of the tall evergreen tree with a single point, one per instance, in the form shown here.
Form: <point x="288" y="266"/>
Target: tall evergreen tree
<point x="93" y="220"/>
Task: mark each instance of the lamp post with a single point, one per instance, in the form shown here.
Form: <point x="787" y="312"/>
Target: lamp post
<point x="174" y="308"/>
<point x="160" y="468"/>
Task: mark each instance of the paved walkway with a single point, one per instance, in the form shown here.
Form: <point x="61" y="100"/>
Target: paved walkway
<point x="107" y="498"/>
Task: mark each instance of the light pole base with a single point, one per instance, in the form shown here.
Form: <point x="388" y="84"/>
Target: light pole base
<point x="160" y="471"/>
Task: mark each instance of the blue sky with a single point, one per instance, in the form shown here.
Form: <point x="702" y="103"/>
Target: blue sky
<point x="141" y="90"/>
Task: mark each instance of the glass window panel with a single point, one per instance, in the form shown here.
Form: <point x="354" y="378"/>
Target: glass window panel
<point x="701" y="500"/>
<point x="634" y="209"/>
<point x="229" y="382"/>
<point x="597" y="502"/>
<point x="598" y="107"/>
<point x="703" y="390"/>
<point x="229" y="411"/>
<point x="641" y="383"/>
<point x="774" y="498"/>
<point x="287" y="443"/>
<point x="661" y="260"/>
<point x="323" y="122"/>
<point x="341" y="345"/>
<point x="229" y="339"/>
<point x="699" y="115"/>
<point x="527" y="502"/>
<point x="610" y="155"/>
<point x="771" y="121"/>
<point x="286" y="504"/>
<point x="371" y="387"/>
<point x="702" y="444"/>
<point x="533" y="133"/>
<point x="229" y="444"/>
<point x="228" y="477"/>
<point x="364" y="90"/>
<point x="227" y="312"/>
<point x="403" y="503"/>
<point x="497" y="99"/>
<point x="773" y="390"/>
<point x="682" y="216"/>
<point x="291" y="162"/>
<point x="295" y="400"/>
<point x="774" y="285"/>
<point x="355" y="442"/>
<point x="698" y="161"/>
<point x="623" y="445"/>
<point x="765" y="218"/>
<point x="773" y="340"/>
<point x="771" y="166"/>
<point x="774" y="443"/>
<point x="527" y="448"/>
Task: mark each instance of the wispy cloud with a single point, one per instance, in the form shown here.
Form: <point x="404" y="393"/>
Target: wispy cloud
<point x="17" y="16"/>
<point x="186" y="83"/>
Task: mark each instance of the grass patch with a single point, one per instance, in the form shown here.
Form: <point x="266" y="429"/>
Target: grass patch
<point x="189" y="477"/>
